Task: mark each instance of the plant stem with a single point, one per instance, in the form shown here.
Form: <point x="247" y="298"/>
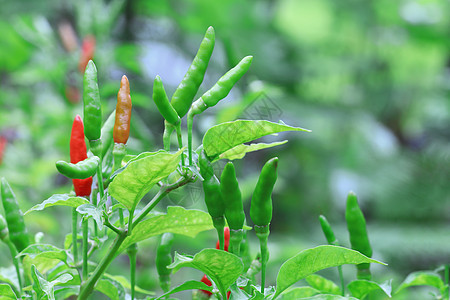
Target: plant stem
<point x="132" y="252"/>
<point x="88" y="286"/>
<point x="168" y="129"/>
<point x="262" y="232"/>
<point x="85" y="249"/>
<point x="130" y="220"/>
<point x="163" y="191"/>
<point x="190" y="121"/>
<point x="446" y="281"/>
<point x="180" y="141"/>
<point x="74" y="235"/>
<point x="341" y="277"/>
<point x="14" y="253"/>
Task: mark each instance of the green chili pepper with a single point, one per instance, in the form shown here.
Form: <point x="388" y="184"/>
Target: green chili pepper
<point x="107" y="133"/>
<point x="223" y="86"/>
<point x="163" y="104"/>
<point x="92" y="116"/>
<point x="81" y="170"/>
<point x="234" y="209"/>
<point x="14" y="218"/>
<point x="213" y="196"/>
<point x="3" y="229"/>
<point x="188" y="88"/>
<point x="328" y="231"/>
<point x="163" y="259"/>
<point x="261" y="205"/>
<point x="332" y="240"/>
<point x="356" y="225"/>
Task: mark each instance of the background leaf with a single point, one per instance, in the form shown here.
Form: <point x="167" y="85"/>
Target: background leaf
<point x="89" y="210"/>
<point x="44" y="251"/>
<point x="323" y="285"/>
<point x="6" y="292"/>
<point x="188" y="285"/>
<point x="361" y="288"/>
<point x="427" y="278"/>
<point x="239" y="151"/>
<point x="59" y="200"/>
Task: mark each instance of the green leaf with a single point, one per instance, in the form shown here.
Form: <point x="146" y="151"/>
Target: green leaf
<point x="44" y="251"/>
<point x="422" y="278"/>
<point x="239" y="151"/>
<point x="6" y="292"/>
<point x="126" y="284"/>
<point x="299" y="292"/>
<point x="9" y="275"/>
<point x="178" y="220"/>
<point x="361" y="288"/>
<point x="129" y="186"/>
<point x="89" y="210"/>
<point x="309" y="261"/>
<point x="225" y="136"/>
<point x="322" y="284"/>
<point x="329" y="297"/>
<point x="188" y="285"/>
<point x="42" y="286"/>
<point x="111" y="288"/>
<point x="222" y="267"/>
<point x="59" y="200"/>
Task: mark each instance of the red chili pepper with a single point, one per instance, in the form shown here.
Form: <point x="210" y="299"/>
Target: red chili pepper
<point x="78" y="152"/>
<point x="208" y="282"/>
<point x="226" y="232"/>
<point x="87" y="52"/>
<point x="3" y="142"/>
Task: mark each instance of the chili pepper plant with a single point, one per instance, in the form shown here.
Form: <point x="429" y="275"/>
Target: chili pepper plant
<point x="108" y="211"/>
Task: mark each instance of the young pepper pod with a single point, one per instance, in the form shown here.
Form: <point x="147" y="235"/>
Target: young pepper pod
<point x="163" y="259"/>
<point x="3" y="229"/>
<point x="80" y="170"/>
<point x="188" y="87"/>
<point x="163" y="104"/>
<point x="222" y="87"/>
<point x="18" y="233"/>
<point x="359" y="239"/>
<point x="261" y="204"/>
<point x="92" y="113"/>
<point x="234" y="209"/>
<point x="78" y="152"/>
<point x="328" y="231"/>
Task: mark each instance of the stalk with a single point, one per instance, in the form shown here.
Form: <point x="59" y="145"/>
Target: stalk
<point x="74" y="235"/>
<point x="236" y="237"/>
<point x="14" y="253"/>
<point x="262" y="232"/>
<point x="190" y="121"/>
<point x="132" y="253"/>
<point x="85" y="249"/>
<point x="168" y="129"/>
<point x="180" y="141"/>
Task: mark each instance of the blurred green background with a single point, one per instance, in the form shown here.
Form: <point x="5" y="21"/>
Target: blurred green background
<point x="371" y="79"/>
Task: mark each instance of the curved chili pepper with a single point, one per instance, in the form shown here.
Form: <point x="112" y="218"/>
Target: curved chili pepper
<point x="121" y="130"/>
<point x="14" y="218"/>
<point x="78" y="152"/>
<point x="163" y="104"/>
<point x="188" y="87"/>
<point x="356" y="225"/>
<point x="222" y="87"/>
<point x="328" y="231"/>
<point x="163" y="259"/>
<point x="91" y="103"/>
<point x="80" y="170"/>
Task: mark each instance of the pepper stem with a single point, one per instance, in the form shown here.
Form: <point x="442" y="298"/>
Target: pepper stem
<point x="180" y="141"/>
<point x="236" y="237"/>
<point x="85" y="249"/>
<point x="74" y="235"/>
<point x="132" y="252"/>
<point x="190" y="121"/>
<point x="219" y="224"/>
<point x="262" y="232"/>
<point x="168" y="129"/>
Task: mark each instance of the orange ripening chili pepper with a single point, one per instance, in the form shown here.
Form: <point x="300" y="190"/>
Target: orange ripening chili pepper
<point x="3" y="142"/>
<point x="87" y="52"/>
<point x="121" y="130"/>
<point x="78" y="153"/>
